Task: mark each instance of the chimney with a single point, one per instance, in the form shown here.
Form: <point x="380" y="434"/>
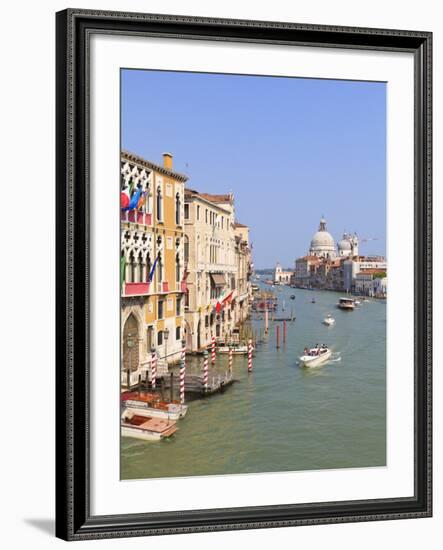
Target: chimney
<point x="167" y="161"/>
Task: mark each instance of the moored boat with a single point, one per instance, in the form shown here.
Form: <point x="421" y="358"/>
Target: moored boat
<point x="237" y="349"/>
<point x="150" y="405"/>
<point x="313" y="357"/>
<point x="145" y="427"/>
<point x="347" y="304"/>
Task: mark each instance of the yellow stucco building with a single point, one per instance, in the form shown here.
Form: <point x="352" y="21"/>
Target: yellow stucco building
<point x="152" y="265"/>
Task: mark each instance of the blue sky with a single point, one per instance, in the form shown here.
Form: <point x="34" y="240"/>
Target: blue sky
<point x="290" y="149"/>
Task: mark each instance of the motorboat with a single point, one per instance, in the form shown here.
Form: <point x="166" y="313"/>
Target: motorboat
<point x="329" y="320"/>
<point x="348" y="304"/>
<point x="236" y="347"/>
<point x="313" y="357"/>
<point x="292" y="296"/>
<point x="145" y="427"/>
<point x="150" y="405"/>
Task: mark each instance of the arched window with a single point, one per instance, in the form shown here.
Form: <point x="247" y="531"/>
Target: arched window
<point x="177" y="269"/>
<point x="159" y="205"/>
<point x="177" y="209"/>
<point x="186" y="249"/>
<point x="159" y="269"/>
<point x="131" y="273"/>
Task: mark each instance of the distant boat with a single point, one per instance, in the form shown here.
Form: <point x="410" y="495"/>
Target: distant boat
<point x="292" y="296"/>
<point x="347" y="304"/>
<point x="313" y="300"/>
<point x="329" y="320"/>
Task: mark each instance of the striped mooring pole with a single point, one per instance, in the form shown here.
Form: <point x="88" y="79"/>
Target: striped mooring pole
<point x="153" y="368"/>
<point x="205" y="369"/>
<point x="182" y="373"/>
<point x="230" y="360"/>
<point x="213" y="351"/>
<point x="250" y="355"/>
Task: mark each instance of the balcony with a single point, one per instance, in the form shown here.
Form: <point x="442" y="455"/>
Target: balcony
<point x="135" y="216"/>
<point x="163" y="287"/>
<point x="136" y="289"/>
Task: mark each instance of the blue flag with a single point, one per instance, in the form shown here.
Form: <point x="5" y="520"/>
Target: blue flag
<point x="151" y="273"/>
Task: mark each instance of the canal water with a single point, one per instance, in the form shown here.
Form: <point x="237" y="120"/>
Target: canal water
<point x="283" y="417"/>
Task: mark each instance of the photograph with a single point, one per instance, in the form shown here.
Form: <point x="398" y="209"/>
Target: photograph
<point x="253" y="274"/>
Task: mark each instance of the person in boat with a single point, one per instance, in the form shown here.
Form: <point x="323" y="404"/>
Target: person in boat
<point x="305" y="351"/>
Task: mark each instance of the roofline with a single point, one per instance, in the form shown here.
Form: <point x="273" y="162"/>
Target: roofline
<point x="196" y="195"/>
<point x="132" y="157"/>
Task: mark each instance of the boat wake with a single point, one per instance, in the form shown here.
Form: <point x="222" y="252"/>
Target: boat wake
<point x="335" y="357"/>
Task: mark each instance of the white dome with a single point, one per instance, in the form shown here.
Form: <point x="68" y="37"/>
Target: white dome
<point x="322" y="243"/>
<point x="344" y="244"/>
<point x="322" y="240"/>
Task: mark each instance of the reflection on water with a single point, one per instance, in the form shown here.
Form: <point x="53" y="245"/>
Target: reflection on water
<point x="283" y="417"/>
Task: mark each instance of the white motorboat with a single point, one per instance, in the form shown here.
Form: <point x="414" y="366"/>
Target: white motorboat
<point x="329" y="320"/>
<point x="171" y="411"/>
<point x="237" y="349"/>
<point x="147" y="428"/>
<point x="314" y="357"/>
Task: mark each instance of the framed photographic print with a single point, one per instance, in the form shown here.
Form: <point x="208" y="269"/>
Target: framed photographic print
<point x="232" y="199"/>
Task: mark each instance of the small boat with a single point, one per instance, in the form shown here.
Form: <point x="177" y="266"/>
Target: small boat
<point x="292" y="296"/>
<point x="145" y="427"/>
<point x="237" y="349"/>
<point x="347" y="304"/>
<point x="314" y="357"/>
<point x="313" y="301"/>
<point x="150" y="405"/>
<point x="329" y="320"/>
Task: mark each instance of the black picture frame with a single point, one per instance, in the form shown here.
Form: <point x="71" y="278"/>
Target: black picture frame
<point x="74" y="28"/>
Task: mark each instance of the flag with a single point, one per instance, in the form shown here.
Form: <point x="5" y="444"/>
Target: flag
<point x="134" y="199"/>
<point x="141" y="200"/>
<point x="151" y="273"/>
<point x="124" y="198"/>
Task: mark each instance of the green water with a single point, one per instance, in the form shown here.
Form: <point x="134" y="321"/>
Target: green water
<point x="283" y="417"/>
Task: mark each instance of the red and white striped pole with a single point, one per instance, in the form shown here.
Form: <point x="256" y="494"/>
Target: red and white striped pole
<point x="153" y="369"/>
<point x="250" y="355"/>
<point x="182" y="373"/>
<point x="205" y="370"/>
<point x="213" y="351"/>
<point x="230" y="360"/>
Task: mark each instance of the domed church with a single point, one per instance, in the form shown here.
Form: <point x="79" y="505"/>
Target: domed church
<point x="322" y="243"/>
<point x="348" y="246"/>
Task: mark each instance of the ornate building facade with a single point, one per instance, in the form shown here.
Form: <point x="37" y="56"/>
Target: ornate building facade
<point x="218" y="269"/>
<point x="152" y="264"/>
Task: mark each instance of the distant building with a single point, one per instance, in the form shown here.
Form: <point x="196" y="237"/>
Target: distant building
<point x="322" y="243"/>
<point x="348" y="246"/>
<point x="353" y="266"/>
<point x="327" y="268"/>
<point x="305" y="270"/>
<point x="282" y="277"/>
<point x="218" y="260"/>
<point x="371" y="282"/>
